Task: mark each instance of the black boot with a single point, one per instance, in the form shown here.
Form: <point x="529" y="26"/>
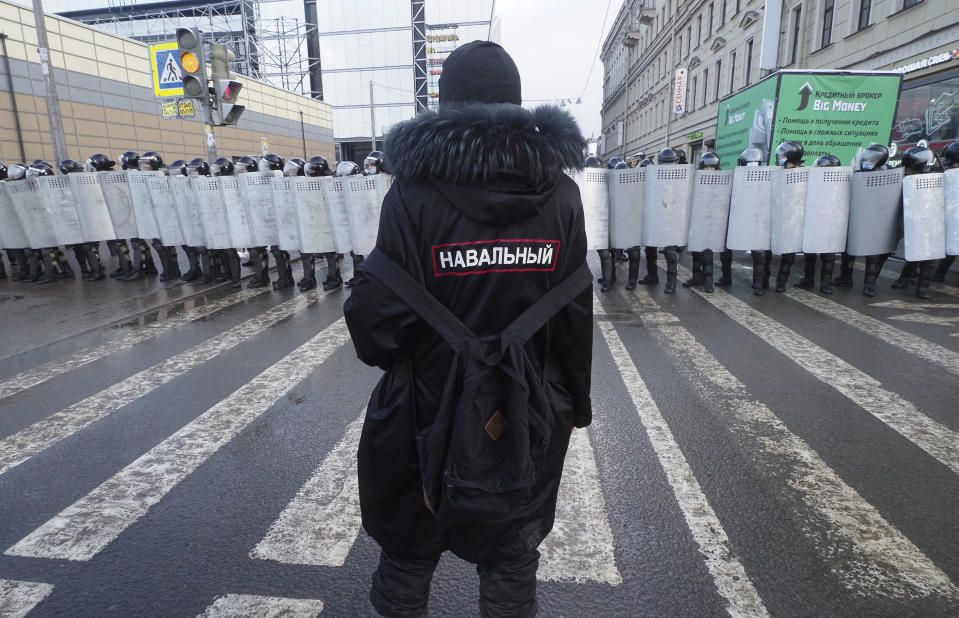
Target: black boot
<point x="767" y="267"/>
<point x="174" y="262"/>
<point x="672" y="263"/>
<point x="697" y="278"/>
<point x="233" y="266"/>
<point x="164" y="259"/>
<point x="357" y="260"/>
<point x="49" y="258"/>
<point x="260" y="278"/>
<point x="633" y="253"/>
<point x="785" y="267"/>
<point x="943" y="267"/>
<point x="825" y="276"/>
<point x="652" y="275"/>
<point x="309" y="270"/>
<point x="19" y="268"/>
<point x="79" y="252"/>
<point x="726" y="263"/>
<point x="708" y="271"/>
<point x="333" y="278"/>
<point x="284" y="272"/>
<point x="206" y="260"/>
<point x="908" y="272"/>
<point x="759" y="272"/>
<point x="606" y="266"/>
<point x="808" y="279"/>
<point x="872" y="275"/>
<point x="846" y="264"/>
<point x="192" y="257"/>
<point x="93" y="259"/>
<point x="926" y="268"/>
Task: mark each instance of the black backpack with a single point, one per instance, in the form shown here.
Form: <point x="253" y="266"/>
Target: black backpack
<point x="480" y="458"/>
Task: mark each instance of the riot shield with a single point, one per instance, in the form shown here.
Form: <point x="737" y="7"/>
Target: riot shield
<point x="626" y="207"/>
<point x="951" y="191"/>
<point x="284" y="206"/>
<point x="143" y="203"/>
<point x="209" y="200"/>
<point x="787" y="209"/>
<point x="236" y="216"/>
<point x="62" y="209"/>
<point x="257" y="191"/>
<point x="188" y="211"/>
<point x="875" y="212"/>
<point x="594" y="191"/>
<point x="749" y="209"/>
<point x="32" y="213"/>
<point x="116" y="192"/>
<point x="666" y="205"/>
<point x="709" y="210"/>
<point x="316" y="233"/>
<point x="91" y="206"/>
<point x="335" y="202"/>
<point x="12" y="234"/>
<point x="924" y="217"/>
<point x="164" y="211"/>
<point x="827" y="210"/>
<point x="364" y="197"/>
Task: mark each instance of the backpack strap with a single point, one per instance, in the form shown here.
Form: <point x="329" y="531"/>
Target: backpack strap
<point x="543" y="310"/>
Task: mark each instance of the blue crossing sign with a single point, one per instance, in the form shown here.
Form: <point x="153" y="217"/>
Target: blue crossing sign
<point x="167" y="72"/>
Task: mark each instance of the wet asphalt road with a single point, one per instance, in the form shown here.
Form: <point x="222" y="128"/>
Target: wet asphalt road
<point x="784" y="455"/>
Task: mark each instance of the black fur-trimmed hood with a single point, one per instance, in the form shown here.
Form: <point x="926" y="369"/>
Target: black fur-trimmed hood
<point x="476" y="144"/>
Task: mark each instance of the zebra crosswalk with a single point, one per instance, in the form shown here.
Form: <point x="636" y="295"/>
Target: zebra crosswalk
<point x="767" y="517"/>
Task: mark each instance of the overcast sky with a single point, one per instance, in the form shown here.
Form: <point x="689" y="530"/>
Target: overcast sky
<point x="554" y="44"/>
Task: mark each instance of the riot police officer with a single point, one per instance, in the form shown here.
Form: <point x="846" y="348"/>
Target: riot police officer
<point x="209" y="258"/>
<point x="374" y="163"/>
<point x="54" y="260"/>
<point x="130" y="160"/>
<point x="334" y="279"/>
<point x="762" y="259"/>
<point x="917" y="160"/>
<point x="118" y="247"/>
<point x="90" y="251"/>
<point x="193" y="254"/>
<point x="316" y="167"/>
<point x="259" y="256"/>
<point x="808" y="279"/>
<point x="19" y="269"/>
<point x="666" y="156"/>
<point x="652" y="274"/>
<point x="151" y="162"/>
<point x="607" y="267"/>
<point x="284" y="270"/>
<point x="223" y="166"/>
<point x="33" y="262"/>
<point x="703" y="260"/>
<point x="873" y="159"/>
<point x="789" y="155"/>
<point x="950" y="161"/>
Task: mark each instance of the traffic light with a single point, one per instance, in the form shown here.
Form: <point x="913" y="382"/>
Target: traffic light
<point x="226" y="90"/>
<point x="190" y="48"/>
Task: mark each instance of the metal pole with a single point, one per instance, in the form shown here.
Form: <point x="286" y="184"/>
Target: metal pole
<point x="208" y="128"/>
<point x="303" y="133"/>
<point x="672" y="69"/>
<point x="13" y="97"/>
<point x="372" y="118"/>
<point x="50" y="85"/>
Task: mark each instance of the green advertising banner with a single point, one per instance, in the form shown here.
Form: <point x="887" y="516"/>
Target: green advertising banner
<point x="835" y="113"/>
<point x="745" y="119"/>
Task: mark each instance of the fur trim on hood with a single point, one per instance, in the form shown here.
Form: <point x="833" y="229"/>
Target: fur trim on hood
<point x="474" y="144"/>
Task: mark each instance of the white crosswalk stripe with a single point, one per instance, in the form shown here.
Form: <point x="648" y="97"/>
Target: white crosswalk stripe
<point x="250" y="606"/>
<point x="18" y="598"/>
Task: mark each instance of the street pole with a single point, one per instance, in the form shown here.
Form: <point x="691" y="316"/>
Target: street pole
<point x="372" y="118"/>
<point x="208" y="128"/>
<point x="50" y="85"/>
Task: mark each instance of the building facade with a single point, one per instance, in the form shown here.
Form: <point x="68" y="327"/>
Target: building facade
<point x="717" y="48"/>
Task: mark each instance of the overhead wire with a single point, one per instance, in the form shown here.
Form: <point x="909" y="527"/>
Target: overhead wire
<point x="599" y="43"/>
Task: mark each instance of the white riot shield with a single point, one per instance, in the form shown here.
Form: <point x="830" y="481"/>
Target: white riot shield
<point x="143" y="203"/>
<point x="924" y="217"/>
<point x="316" y="233"/>
<point x="216" y="227"/>
<point x="666" y="205"/>
<point x="951" y="190"/>
<point x="284" y="206"/>
<point x="188" y="211"/>
<point x="236" y="215"/>
<point x="257" y="191"/>
<point x="827" y="210"/>
<point x="875" y="212"/>
<point x="626" y="207"/>
<point x="12" y="234"/>
<point x="787" y="209"/>
<point x="749" y="209"/>
<point x="116" y="192"/>
<point x="91" y="206"/>
<point x="594" y="191"/>
<point x="164" y="211"/>
<point x="58" y="199"/>
<point x="709" y="210"/>
<point x="32" y="213"/>
<point x="335" y="202"/>
<point x="364" y="198"/>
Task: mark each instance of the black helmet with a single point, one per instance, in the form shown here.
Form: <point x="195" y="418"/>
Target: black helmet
<point x="950" y="155"/>
<point x="245" y="164"/>
<point x="873" y="158"/>
<point x="151" y="161"/>
<point x="17" y="171"/>
<point x="917" y="159"/>
<point x="611" y="164"/>
<point x="222" y="167"/>
<point x="828" y="160"/>
<point x="198" y="167"/>
<point x="347" y="168"/>
<point x="789" y="152"/>
<point x="3" y="171"/>
<point x="374" y="163"/>
<point x="709" y="161"/>
<point x="751" y="156"/>
<point x="593" y="161"/>
<point x="100" y="163"/>
<point x="645" y="162"/>
<point x="177" y="168"/>
<point x="317" y="166"/>
<point x="667" y="156"/>
<point x="68" y="166"/>
<point x="271" y="162"/>
<point x="682" y="157"/>
<point x="622" y="165"/>
<point x="294" y="167"/>
<point x="39" y="168"/>
<point x="129" y="160"/>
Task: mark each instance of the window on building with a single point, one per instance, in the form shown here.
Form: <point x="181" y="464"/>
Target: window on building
<point x="699" y="30"/>
<point x="732" y="72"/>
<point x="828" y="9"/>
<point x="738" y="5"/>
<point x="797" y="14"/>
<point x="705" y="84"/>
<point x="719" y="72"/>
<point x="908" y="3"/>
<point x="722" y="13"/>
<point x="689" y="37"/>
<point x="865" y="9"/>
<point x="709" y="26"/>
<point x="692" y="99"/>
<point x="749" y="61"/>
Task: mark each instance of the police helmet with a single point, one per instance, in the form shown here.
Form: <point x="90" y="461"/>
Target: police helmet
<point x="639" y="156"/>
<point x="39" y="168"/>
<point x="222" y="167"/>
<point x="622" y="165"/>
<point x="750" y="157"/>
<point x="682" y="157"/>
<point x="374" y="163"/>
<point x="3" y="171"/>
<point x="917" y="159"/>
<point x="177" y="168"/>
<point x="645" y="162"/>
<point x="593" y="161"/>
<point x="271" y="162"/>
<point x="151" y="161"/>
<point x="789" y="152"/>
<point x="828" y="160"/>
<point x="317" y="166"/>
<point x="245" y="164"/>
<point x="347" y="168"/>
<point x="17" y="171"/>
<point x="68" y="166"/>
<point x="198" y="167"/>
<point x="873" y="158"/>
<point x="709" y="161"/>
<point x="950" y="155"/>
<point x="611" y="164"/>
<point x="100" y="163"/>
<point x="129" y="160"/>
<point x="667" y="156"/>
<point x="294" y="167"/>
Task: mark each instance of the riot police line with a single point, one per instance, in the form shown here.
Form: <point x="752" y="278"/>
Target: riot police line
<point x="860" y="210"/>
<point x="211" y="211"/>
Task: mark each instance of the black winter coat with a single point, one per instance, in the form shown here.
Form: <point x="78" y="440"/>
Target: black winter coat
<point x="474" y="188"/>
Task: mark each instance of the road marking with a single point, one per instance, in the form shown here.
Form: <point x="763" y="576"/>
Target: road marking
<point x="320" y="524"/>
<point x="262" y="607"/>
<point x="901" y="304"/>
<point x="866" y="552"/>
<point x="580" y="547"/>
<point x="728" y="573"/>
<point x="18" y="598"/>
<point x="39" y="375"/>
<point x="21" y="446"/>
<point x="925" y="318"/>
<point x="84" y="528"/>
<point x="902" y="416"/>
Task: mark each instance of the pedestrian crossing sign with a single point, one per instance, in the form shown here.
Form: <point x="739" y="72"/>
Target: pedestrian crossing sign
<point x="167" y="72"/>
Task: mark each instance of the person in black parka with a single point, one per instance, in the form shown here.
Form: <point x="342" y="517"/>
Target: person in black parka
<point x="481" y="215"/>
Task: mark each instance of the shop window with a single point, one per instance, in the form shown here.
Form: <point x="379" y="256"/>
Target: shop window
<point x="929" y="112"/>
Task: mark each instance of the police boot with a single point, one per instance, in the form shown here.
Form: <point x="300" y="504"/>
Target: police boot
<point x="221" y="271"/>
<point x="284" y="272"/>
<point x="206" y="272"/>
<point x="672" y="264"/>
<point x="192" y="257"/>
<point x="49" y="258"/>
<point x="34" y="265"/>
<point x="908" y="272"/>
<point x="726" y="263"/>
<point x="333" y="279"/>
<point x="174" y="262"/>
<point x="151" y="267"/>
<point x="759" y="272"/>
<point x="309" y="270"/>
<point x="708" y="271"/>
<point x="808" y="279"/>
<point x="941" y="268"/>
<point x="846" y="264"/>
<point x="697" y="278"/>
<point x="633" y="254"/>
<point x="652" y="275"/>
<point x="93" y="258"/>
<point x="872" y="274"/>
<point x="926" y="268"/>
<point x="18" y="264"/>
<point x="233" y="266"/>
<point x="121" y="250"/>
<point x="80" y="254"/>
<point x="260" y="278"/>
<point x="164" y="259"/>
<point x="825" y="275"/>
<point x="785" y="267"/>
<point x="357" y="260"/>
<point x="606" y="266"/>
<point x="3" y="270"/>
